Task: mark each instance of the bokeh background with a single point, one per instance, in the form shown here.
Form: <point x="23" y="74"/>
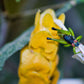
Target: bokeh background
<point x="16" y="17"/>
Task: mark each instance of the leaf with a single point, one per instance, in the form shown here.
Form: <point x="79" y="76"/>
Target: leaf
<point x="14" y="46"/>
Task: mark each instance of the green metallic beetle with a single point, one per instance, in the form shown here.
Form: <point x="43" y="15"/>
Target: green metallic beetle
<point x="68" y="38"/>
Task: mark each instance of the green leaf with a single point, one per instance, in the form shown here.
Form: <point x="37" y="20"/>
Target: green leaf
<point x="71" y="32"/>
<point x="14" y="46"/>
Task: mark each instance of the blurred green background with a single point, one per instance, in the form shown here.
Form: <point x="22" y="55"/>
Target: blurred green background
<point x="16" y="17"/>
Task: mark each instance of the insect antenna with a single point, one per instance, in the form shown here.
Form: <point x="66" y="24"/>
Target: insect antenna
<point x="60" y="31"/>
<point x="54" y="28"/>
<point x="49" y="38"/>
<point x="58" y="40"/>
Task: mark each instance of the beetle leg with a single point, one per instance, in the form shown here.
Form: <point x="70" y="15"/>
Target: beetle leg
<point x="58" y="40"/>
<point x="74" y="50"/>
<point x="61" y="31"/>
<point x="71" y="32"/>
<point x="67" y="45"/>
<point x="79" y="38"/>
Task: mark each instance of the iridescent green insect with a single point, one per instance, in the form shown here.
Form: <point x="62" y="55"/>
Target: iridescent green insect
<point x="67" y="38"/>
